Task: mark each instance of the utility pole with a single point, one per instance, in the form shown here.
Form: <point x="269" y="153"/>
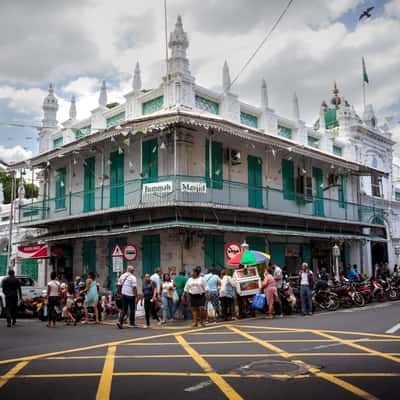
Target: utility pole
<point x="11" y="222"/>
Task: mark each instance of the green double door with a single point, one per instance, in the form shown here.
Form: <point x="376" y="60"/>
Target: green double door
<point x="89" y="185"/>
<point x="319" y="192"/>
<point x="214" y="251"/>
<point x="89" y="256"/>
<point x="150" y="253"/>
<point x="254" y="165"/>
<point x="150" y="160"/>
<point x="117" y="189"/>
<point x="29" y="267"/>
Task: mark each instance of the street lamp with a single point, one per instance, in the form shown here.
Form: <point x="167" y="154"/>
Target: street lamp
<point x="336" y="255"/>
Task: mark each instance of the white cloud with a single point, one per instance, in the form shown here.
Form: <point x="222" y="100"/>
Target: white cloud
<point x="24" y="101"/>
<point x="14" y="154"/>
<point x="393" y="8"/>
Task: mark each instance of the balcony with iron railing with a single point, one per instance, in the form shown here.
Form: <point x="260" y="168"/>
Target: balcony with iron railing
<point x="198" y="191"/>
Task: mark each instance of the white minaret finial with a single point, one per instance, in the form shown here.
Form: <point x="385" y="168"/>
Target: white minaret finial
<point x="296" y="108"/>
<point x="226" y="78"/>
<point x="178" y="43"/>
<point x="103" y="95"/>
<point x="264" y="94"/>
<point x="72" y="109"/>
<point x="50" y="108"/>
<point x="137" y="80"/>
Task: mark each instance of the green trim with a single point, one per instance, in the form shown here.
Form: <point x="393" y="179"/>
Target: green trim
<point x="29" y="266"/>
<point x="153" y="105"/>
<point x="115" y="120"/>
<point x="80" y="133"/>
<point x="117" y="183"/>
<point x="150" y="253"/>
<point x="206" y="105"/>
<point x="150" y="160"/>
<point x="57" y="143"/>
<point x="330" y="119"/>
<point x="217" y="163"/>
<point x="313" y="142"/>
<point x="397" y="196"/>
<point x="319" y="192"/>
<point x="89" y="256"/>
<point x="61" y="183"/>
<point x="284" y="132"/>
<point x="89" y="184"/>
<point x="288" y="179"/>
<point x="256" y="243"/>
<point x="214" y="251"/>
<point x="342" y="192"/>
<point x="337" y="151"/>
<point x="248" y="119"/>
<point x="255" y="184"/>
<point x="3" y="264"/>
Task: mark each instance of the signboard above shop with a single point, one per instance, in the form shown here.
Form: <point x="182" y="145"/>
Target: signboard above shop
<point x="33" y="251"/>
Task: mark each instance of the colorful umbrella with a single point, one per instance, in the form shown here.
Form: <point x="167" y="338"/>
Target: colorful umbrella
<point x="249" y="257"/>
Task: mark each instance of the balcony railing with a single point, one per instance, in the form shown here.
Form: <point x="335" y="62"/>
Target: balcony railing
<point x="188" y="189"/>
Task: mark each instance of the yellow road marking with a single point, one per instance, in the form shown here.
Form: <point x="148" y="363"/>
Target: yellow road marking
<point x="49" y="376"/>
<point x="222" y="384"/>
<point x="101" y="345"/>
<point x="359" y="347"/>
<point x="104" y="388"/>
<point x="304" y="330"/>
<point x="177" y="344"/>
<point x="233" y="333"/>
<point x="328" y="377"/>
<point x="368" y="375"/>
<point x="12" y="373"/>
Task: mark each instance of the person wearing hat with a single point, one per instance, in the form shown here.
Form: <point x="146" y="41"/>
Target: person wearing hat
<point x="77" y="284"/>
<point x="128" y="288"/>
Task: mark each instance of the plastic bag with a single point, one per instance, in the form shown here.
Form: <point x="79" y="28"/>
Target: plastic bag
<point x="259" y="301"/>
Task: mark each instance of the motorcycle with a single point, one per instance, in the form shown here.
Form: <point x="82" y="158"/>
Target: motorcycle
<point x="378" y="293"/>
<point x="364" y="289"/>
<point x="391" y="291"/>
<point x="348" y="295"/>
<point x="325" y="300"/>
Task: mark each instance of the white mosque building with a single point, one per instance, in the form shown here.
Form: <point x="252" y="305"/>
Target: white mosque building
<point x="182" y="173"/>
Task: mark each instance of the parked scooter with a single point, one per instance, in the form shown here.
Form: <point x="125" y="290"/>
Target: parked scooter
<point x="288" y="300"/>
<point x="325" y="300"/>
<point x="378" y="293"/>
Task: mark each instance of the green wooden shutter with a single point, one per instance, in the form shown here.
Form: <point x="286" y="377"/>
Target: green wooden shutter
<point x="89" y="184"/>
<point x="3" y="264"/>
<point x="112" y="276"/>
<point x="214" y="251"/>
<point x="150" y="253"/>
<point x="306" y="253"/>
<point x="256" y="243"/>
<point x="277" y="252"/>
<point x="319" y="192"/>
<point x="150" y="160"/>
<point x="254" y="166"/>
<point x="89" y="256"/>
<point x="61" y="182"/>
<point x="117" y="179"/>
<point x="217" y="165"/>
<point x="29" y="266"/>
<point x="342" y="192"/>
<point x="288" y="179"/>
<point x="346" y="248"/>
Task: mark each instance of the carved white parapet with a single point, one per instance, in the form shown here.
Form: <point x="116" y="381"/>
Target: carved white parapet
<point x="230" y="107"/>
<point x="269" y="121"/>
<point x="98" y="121"/>
<point x="179" y="92"/>
<point x="68" y="136"/>
<point x="302" y="132"/>
<point x="133" y="107"/>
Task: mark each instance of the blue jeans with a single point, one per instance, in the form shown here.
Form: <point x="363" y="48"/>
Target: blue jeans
<point x="184" y="308"/>
<point x="306" y="299"/>
<point x="167" y="303"/>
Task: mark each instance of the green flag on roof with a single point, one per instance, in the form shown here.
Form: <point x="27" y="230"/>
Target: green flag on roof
<point x="365" y="75"/>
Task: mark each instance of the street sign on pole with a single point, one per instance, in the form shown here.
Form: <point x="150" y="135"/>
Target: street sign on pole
<point x="118" y="260"/>
<point x="232" y="249"/>
<point x="130" y="252"/>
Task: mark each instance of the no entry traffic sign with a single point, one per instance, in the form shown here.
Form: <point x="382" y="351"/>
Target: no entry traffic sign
<point x="130" y="252"/>
<point x="232" y="249"/>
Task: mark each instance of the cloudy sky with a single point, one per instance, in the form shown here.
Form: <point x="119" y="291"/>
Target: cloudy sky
<point x="77" y="43"/>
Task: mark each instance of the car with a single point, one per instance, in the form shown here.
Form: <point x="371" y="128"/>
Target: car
<point x="28" y="288"/>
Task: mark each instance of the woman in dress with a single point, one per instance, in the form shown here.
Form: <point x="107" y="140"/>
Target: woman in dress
<point x="196" y="287"/>
<point x="91" y="297"/>
<point x="53" y="299"/>
<point x="167" y="293"/>
<point x="270" y="290"/>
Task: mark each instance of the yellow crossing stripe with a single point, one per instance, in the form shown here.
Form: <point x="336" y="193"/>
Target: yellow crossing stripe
<point x="104" y="389"/>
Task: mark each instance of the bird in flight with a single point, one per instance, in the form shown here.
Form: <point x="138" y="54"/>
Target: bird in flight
<point x="366" y="14"/>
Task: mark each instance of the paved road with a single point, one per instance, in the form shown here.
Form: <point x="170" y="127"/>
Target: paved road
<point x="341" y="355"/>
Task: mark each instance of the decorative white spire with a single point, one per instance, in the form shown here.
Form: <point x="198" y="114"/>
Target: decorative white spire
<point x="137" y="80"/>
<point x="226" y="78"/>
<point x="264" y="94"/>
<point x="50" y="108"/>
<point x="21" y="190"/>
<point x="178" y="43"/>
<point x="72" y="109"/>
<point x="296" y="108"/>
<point x="103" y="95"/>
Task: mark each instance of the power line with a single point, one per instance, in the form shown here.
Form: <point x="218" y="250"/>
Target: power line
<point x="21" y="125"/>
<point x="262" y="42"/>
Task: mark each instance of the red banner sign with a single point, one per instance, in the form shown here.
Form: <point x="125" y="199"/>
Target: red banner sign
<point x="34" y="251"/>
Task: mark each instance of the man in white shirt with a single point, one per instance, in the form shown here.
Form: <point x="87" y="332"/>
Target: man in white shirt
<point x="277" y="273"/>
<point x="156" y="279"/>
<point x="306" y="286"/>
<point x="128" y="288"/>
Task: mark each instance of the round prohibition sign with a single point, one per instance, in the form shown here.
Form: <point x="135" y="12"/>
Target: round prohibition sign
<point x="130" y="252"/>
<point x="232" y="249"/>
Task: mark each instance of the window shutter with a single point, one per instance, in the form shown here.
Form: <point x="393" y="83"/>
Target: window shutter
<point x="117" y="180"/>
<point x="89" y="184"/>
<point x="288" y="179"/>
<point x="61" y="183"/>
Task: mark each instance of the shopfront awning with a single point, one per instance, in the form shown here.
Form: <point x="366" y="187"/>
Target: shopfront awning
<point x="209" y="227"/>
